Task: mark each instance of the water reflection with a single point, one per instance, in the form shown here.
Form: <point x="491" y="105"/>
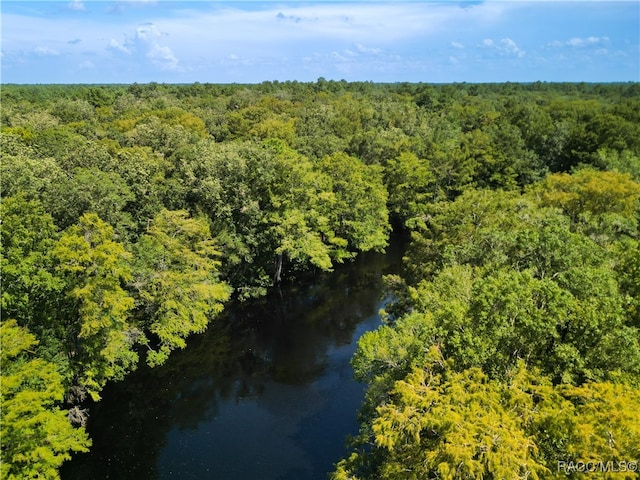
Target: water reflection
<point x="265" y="393"/>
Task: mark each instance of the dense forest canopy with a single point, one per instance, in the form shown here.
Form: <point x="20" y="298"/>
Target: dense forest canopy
<point x="131" y="214"/>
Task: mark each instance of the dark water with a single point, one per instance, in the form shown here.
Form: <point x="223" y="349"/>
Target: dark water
<point x="265" y="393"/>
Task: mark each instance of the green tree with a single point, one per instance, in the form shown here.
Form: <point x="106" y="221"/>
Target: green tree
<point x="623" y="162"/>
<point x="29" y="282"/>
<point x="300" y="201"/>
<point x="269" y="205"/>
<point x="314" y="136"/>
<point x="101" y="338"/>
<point x="176" y="281"/>
<point x="528" y="275"/>
<point x="90" y="190"/>
<point x="601" y="204"/>
<point x="534" y="312"/>
<point x="628" y="273"/>
<point x="275" y="127"/>
<point x="604" y="425"/>
<point x="23" y="172"/>
<point x="163" y="135"/>
<point x="32" y="290"/>
<point x="439" y="421"/>
<point x="493" y="320"/>
<point x="230" y="183"/>
<point x="410" y="186"/>
<point x="145" y="174"/>
<point x="72" y="149"/>
<point x="444" y="424"/>
<point x="360" y="213"/>
<point x="36" y="435"/>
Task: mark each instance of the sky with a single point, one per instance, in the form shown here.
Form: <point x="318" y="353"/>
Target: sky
<point x="86" y="41"/>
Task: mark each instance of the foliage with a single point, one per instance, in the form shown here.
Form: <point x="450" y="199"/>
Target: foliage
<point x="130" y="214"/>
<point x="95" y="267"/>
<point x="89" y="190"/>
<point x="360" y="213"/>
<point x="28" y="279"/>
<point x="443" y="422"/>
<point x="601" y="204"/>
<point x="36" y="435"/>
<point x="269" y="205"/>
<point x="23" y="172"/>
<point x="176" y="281"/>
<point x="505" y="287"/>
<point x="409" y="181"/>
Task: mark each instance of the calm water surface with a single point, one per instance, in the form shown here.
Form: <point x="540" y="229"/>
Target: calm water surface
<point x="265" y="393"/>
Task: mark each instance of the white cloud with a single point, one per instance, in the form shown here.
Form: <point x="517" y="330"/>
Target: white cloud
<point x="578" y="42"/>
<point x="338" y="57"/>
<point x="86" y="65"/>
<point x="585" y="42"/>
<point x="147" y="31"/>
<point x="145" y="43"/>
<point x="505" y="46"/>
<point x="182" y="41"/>
<point x="346" y="59"/>
<point x="44" y="51"/>
<point x="509" y="46"/>
<point x="116" y="45"/>
<point x="380" y="24"/>
<point x="76" y="5"/>
<point x="163" y="57"/>
<point x="120" y="6"/>
<point x="256" y="30"/>
<point x="362" y="49"/>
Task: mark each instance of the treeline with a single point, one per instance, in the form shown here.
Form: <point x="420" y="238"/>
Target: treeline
<point x="132" y="213"/>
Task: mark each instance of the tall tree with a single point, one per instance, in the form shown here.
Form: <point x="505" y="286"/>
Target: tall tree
<point x="360" y="214"/>
<point x="29" y="283"/>
<point x="440" y="422"/>
<point x="95" y="267"/>
<point x="36" y="434"/>
<point x="176" y="281"/>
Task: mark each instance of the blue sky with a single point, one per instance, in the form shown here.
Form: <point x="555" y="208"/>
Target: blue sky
<point x="85" y="41"/>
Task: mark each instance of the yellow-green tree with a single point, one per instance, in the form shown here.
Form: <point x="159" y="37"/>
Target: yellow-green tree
<point x="360" y="213"/>
<point x="176" y="279"/>
<point x="96" y="267"/>
<point x="36" y="435"/>
<point x="442" y="422"/>
<point x="604" y="205"/>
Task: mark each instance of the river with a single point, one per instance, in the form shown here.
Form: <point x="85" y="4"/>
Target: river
<point x="265" y="393"/>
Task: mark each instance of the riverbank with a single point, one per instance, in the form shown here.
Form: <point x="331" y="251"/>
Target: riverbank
<point x="266" y="392"/>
